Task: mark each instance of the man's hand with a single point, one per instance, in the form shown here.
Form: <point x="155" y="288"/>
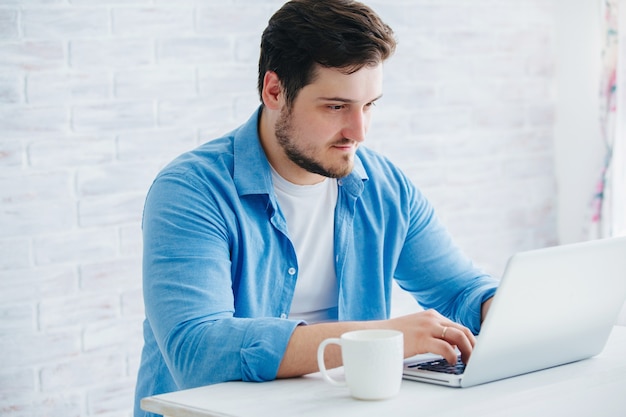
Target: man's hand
<point x="430" y="332"/>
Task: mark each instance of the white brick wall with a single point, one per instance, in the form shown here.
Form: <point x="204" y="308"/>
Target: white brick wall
<point x="97" y="95"/>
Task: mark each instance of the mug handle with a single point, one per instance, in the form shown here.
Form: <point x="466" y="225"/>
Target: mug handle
<point x="322" y="365"/>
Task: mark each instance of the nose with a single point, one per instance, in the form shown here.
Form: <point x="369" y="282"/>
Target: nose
<point x="356" y="125"/>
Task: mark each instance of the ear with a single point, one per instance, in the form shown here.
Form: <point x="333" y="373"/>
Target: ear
<point x="272" y="91"/>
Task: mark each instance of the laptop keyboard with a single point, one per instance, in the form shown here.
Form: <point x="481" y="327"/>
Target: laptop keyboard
<point x="441" y="365"/>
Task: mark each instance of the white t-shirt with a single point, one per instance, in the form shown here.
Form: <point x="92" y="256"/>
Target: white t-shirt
<point x="310" y="214"/>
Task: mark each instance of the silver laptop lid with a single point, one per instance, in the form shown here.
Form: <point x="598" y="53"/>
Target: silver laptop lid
<point x="554" y="306"/>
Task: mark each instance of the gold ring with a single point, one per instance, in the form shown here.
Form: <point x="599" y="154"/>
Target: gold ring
<point x="443" y="334"/>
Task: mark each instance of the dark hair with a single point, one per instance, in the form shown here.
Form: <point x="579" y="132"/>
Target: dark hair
<point x="343" y="34"/>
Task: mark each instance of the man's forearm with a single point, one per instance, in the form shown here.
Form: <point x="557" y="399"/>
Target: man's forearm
<point x="301" y="354"/>
<point x="426" y="331"/>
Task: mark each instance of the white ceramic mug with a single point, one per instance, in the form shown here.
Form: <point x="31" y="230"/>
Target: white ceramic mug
<point x="372" y="361"/>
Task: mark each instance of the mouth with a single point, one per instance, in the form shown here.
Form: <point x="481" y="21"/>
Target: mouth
<point x="346" y="146"/>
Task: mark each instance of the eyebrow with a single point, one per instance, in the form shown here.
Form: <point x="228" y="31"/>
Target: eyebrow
<point x="345" y="100"/>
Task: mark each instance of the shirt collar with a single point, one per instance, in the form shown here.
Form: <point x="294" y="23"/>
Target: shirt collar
<point x="251" y="167"/>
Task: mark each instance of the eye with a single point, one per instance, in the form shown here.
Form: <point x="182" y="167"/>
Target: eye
<point x="370" y="105"/>
<point x="336" y="107"/>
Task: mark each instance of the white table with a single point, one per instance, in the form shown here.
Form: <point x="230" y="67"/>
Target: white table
<point x="593" y="387"/>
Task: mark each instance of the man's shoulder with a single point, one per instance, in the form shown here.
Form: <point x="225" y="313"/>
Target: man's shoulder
<point x="210" y="155"/>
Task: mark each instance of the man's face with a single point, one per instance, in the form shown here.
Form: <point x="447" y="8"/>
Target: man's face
<point x="327" y="121"/>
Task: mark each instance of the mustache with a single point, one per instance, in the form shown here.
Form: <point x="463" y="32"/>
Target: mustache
<point x="343" y="142"/>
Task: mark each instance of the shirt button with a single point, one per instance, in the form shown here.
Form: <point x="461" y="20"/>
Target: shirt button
<point x="291" y="271"/>
<point x="283" y="316"/>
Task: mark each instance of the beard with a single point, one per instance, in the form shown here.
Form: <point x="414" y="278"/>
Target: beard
<point x="303" y="156"/>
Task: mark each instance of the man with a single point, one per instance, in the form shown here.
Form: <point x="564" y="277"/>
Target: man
<point x="260" y="244"/>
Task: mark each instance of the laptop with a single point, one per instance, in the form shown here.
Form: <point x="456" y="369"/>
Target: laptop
<point x="553" y="306"/>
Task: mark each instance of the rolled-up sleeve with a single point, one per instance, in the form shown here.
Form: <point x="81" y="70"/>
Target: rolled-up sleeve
<point x="189" y="295"/>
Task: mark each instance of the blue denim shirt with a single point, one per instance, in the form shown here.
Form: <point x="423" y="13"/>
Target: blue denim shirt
<point x="219" y="270"/>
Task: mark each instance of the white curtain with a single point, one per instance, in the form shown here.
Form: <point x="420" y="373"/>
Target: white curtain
<point x="617" y="184"/>
<point x="609" y="203"/>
